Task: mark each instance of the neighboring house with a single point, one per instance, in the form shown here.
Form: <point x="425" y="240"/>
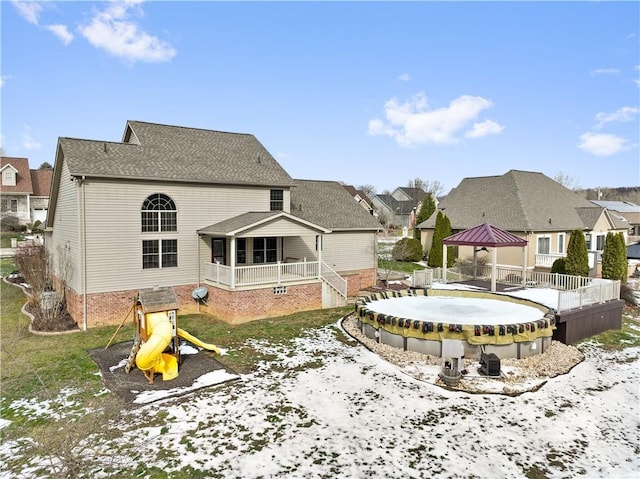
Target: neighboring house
<point x="629" y="211"/>
<point x="24" y="192"/>
<point x="399" y="208"/>
<point x="193" y="209"/>
<point x="361" y="198"/>
<point x="531" y="206"/>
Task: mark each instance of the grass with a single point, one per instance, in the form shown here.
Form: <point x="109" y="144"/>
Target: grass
<point x="617" y="339"/>
<point x="399" y="266"/>
<point x="5" y="238"/>
<point x="33" y="363"/>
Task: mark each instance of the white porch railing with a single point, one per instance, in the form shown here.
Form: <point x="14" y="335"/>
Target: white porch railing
<point x="276" y="273"/>
<point x="273" y="274"/>
<point x="546" y="260"/>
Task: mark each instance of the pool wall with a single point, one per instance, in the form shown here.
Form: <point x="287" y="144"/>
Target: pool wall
<point x="513" y="340"/>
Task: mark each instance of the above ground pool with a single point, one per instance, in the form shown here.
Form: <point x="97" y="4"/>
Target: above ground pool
<point x="418" y="320"/>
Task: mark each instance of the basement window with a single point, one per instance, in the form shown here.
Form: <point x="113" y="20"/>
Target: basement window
<point x="280" y="290"/>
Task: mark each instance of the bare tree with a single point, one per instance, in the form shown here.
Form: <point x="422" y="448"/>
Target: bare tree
<point x="567" y="181"/>
<point x="429" y="186"/>
<point x="368" y="190"/>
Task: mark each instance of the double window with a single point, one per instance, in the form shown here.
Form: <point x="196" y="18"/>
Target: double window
<point x="9" y="205"/>
<point x="265" y="250"/>
<point x="159" y="215"/>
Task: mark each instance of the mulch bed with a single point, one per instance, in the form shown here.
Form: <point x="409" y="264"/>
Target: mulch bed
<point x="128" y="386"/>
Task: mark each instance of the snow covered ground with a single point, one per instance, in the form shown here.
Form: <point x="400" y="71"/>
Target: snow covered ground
<point x="326" y="407"/>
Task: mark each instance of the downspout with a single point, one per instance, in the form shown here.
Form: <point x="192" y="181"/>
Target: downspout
<point x="198" y="266"/>
<point x="83" y="247"/>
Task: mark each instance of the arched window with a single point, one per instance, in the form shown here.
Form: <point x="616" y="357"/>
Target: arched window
<point x="159" y="214"/>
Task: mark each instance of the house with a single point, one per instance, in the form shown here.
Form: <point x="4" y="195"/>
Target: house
<point x="361" y="198"/>
<point x="200" y="210"/>
<point x="531" y="206"/>
<point x="399" y="208"/>
<point x="25" y="192"/>
<point x="626" y="210"/>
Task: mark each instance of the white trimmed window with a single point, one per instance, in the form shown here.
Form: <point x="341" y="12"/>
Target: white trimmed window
<point x="159" y="215"/>
<point x="9" y="177"/>
<point x="543" y="245"/>
<point x="561" y="242"/>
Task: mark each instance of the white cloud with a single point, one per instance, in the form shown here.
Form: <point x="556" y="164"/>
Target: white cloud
<point x="3" y="79"/>
<point x="61" y="31"/>
<point x="113" y="31"/>
<point x="404" y="77"/>
<point x="484" y="128"/>
<point x="412" y="122"/>
<point x="30" y="11"/>
<point x="29" y="142"/>
<point x="605" y="71"/>
<point x="602" y="144"/>
<point x="626" y="113"/>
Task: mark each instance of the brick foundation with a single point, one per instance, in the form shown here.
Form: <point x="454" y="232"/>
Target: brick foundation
<point x="236" y="307"/>
<point x="359" y="280"/>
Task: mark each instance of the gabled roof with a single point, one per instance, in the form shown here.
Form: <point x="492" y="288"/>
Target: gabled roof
<point x="23" y="177"/>
<point x="246" y="221"/>
<point x="484" y="235"/>
<point x="41" y="181"/>
<point x="633" y="251"/>
<point x="152" y="151"/>
<point x="516" y="201"/>
<point x="397" y="207"/>
<point x="415" y="195"/>
<point x="328" y="204"/>
<point x="353" y="191"/>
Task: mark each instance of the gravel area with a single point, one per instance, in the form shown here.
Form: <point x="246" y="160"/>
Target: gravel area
<point x="517" y="375"/>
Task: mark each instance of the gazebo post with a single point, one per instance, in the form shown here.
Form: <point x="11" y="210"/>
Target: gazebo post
<point x="494" y="259"/>
<point x="444" y="263"/>
<point x="524" y="265"/>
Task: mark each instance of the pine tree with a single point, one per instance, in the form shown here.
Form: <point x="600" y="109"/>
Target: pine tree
<point x="622" y="258"/>
<point x="435" y="252"/>
<point x="427" y="208"/>
<point x="450" y="250"/>
<point x="577" y="262"/>
<point x="610" y="260"/>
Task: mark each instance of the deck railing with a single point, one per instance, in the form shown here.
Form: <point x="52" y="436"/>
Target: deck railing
<point x="273" y="274"/>
<point x="573" y="291"/>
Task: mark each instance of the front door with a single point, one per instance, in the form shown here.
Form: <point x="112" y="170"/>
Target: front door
<point x="218" y="250"/>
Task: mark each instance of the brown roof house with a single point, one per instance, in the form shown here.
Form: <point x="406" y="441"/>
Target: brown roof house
<point x="531" y="206"/>
<point x="24" y="193"/>
<point x="399" y="208"/>
<point x="205" y="212"/>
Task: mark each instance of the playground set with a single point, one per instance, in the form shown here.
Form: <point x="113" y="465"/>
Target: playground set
<point x="156" y="345"/>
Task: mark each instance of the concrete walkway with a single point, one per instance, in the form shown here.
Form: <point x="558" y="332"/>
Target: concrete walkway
<point x="5" y="252"/>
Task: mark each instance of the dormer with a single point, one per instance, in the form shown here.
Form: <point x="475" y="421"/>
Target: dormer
<point x="9" y="174"/>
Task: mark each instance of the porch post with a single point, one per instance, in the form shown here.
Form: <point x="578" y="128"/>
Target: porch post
<point x="232" y="262"/>
<point x="319" y="241"/>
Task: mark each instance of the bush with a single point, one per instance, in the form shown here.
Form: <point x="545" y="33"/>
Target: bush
<point x="10" y="223"/>
<point x="407" y="249"/>
<point x="559" y="266"/>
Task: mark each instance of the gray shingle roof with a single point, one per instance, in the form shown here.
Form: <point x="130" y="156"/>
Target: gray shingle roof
<point x="240" y="223"/>
<point x="162" y="152"/>
<point x="329" y="204"/>
<point x="516" y="201"/>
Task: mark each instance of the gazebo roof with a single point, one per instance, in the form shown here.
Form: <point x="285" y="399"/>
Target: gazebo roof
<point x="485" y="235"/>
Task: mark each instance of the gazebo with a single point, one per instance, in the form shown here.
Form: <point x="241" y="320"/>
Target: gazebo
<point x="484" y="236"/>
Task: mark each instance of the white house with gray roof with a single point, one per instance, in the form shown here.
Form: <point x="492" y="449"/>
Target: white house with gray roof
<point x="529" y="205"/>
<point x="192" y="208"/>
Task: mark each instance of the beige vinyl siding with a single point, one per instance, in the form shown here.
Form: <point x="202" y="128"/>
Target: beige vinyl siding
<point x="279" y="227"/>
<point x="300" y="247"/>
<point x="114" y="236"/>
<point x="350" y="250"/>
<point x="66" y="240"/>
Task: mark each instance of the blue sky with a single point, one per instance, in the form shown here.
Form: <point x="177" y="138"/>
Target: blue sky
<point x="366" y="93"/>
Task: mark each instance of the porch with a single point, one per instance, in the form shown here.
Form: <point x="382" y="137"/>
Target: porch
<point x="277" y="274"/>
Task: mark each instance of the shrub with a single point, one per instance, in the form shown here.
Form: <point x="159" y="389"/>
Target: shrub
<point x="407" y="249"/>
<point x="559" y="266"/>
<point x="577" y="261"/>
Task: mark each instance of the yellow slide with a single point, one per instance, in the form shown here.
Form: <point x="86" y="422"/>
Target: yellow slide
<point x="150" y="357"/>
<point x="192" y="339"/>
